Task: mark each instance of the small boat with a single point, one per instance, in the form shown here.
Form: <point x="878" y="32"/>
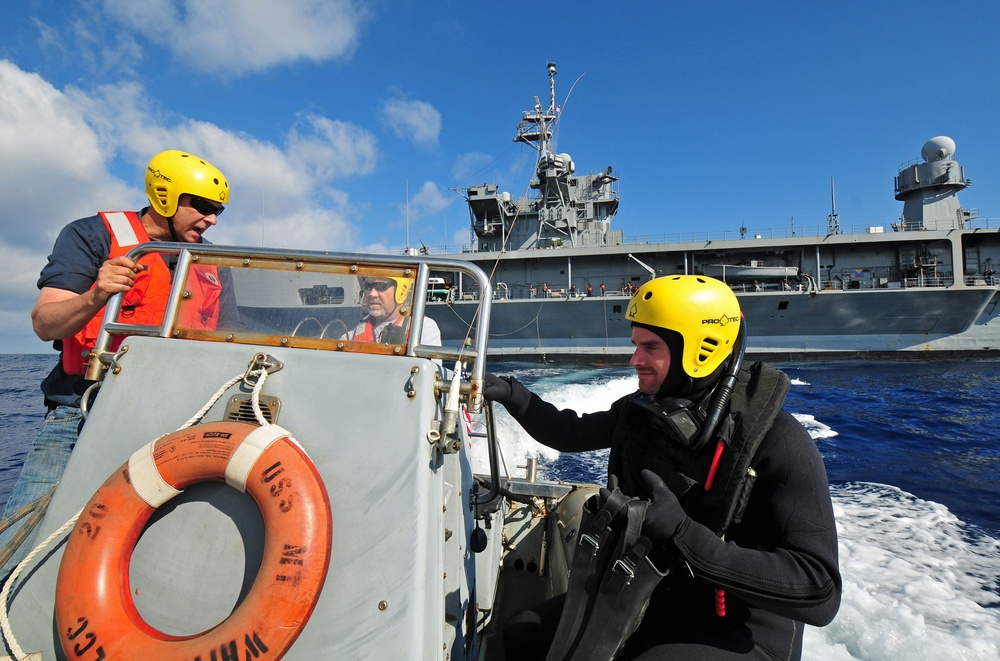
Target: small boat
<point x="273" y="489"/>
<point x="754" y="271"/>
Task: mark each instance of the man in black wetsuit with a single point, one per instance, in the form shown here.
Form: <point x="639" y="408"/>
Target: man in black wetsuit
<point x="740" y="509"/>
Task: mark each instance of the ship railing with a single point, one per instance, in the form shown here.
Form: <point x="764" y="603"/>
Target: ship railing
<point x="926" y="282"/>
<point x="982" y="280"/>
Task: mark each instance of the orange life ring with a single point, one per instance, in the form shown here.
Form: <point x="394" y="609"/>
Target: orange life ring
<point x="95" y="615"/>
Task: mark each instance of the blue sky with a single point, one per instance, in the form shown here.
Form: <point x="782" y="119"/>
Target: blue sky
<point x="328" y="116"/>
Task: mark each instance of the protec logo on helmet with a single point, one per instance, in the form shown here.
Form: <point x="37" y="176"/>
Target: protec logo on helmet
<point x="724" y="320"/>
<point x="156" y="174"/>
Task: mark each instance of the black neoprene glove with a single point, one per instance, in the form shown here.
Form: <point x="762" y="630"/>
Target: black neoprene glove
<point x="665" y="516"/>
<point x="507" y="391"/>
<point x="495" y="388"/>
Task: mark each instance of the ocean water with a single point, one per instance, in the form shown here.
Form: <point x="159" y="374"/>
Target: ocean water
<point x="912" y="453"/>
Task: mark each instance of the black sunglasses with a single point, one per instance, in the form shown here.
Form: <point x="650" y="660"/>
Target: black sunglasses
<point x="378" y="285"/>
<point x="204" y="207"/>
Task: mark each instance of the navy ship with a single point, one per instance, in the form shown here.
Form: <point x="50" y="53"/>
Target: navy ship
<point x="562" y="277"/>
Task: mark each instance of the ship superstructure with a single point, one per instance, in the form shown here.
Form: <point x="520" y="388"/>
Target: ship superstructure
<point x="570" y="210"/>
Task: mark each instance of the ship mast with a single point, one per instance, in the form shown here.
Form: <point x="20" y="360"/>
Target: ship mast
<point x="570" y="210"/>
<point x="536" y="125"/>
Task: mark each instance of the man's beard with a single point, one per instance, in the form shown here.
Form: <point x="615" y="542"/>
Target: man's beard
<point x="378" y="314"/>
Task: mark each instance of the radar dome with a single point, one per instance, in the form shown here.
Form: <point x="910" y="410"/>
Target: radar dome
<point x="940" y="148"/>
<point x="568" y="162"/>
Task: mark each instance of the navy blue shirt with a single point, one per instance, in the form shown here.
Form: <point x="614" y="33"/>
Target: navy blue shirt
<point x="79" y="251"/>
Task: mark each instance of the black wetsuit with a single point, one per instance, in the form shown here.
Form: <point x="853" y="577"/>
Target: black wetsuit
<point x="778" y="566"/>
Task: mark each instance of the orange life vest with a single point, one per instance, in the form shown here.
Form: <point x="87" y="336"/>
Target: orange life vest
<point x="145" y="302"/>
<point x="365" y="332"/>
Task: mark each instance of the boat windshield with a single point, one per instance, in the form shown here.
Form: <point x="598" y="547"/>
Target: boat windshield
<point x="328" y="301"/>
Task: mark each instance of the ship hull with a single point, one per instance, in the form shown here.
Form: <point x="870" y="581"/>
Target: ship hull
<point x="872" y="292"/>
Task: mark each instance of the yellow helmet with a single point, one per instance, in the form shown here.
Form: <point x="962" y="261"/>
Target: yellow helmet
<point x="703" y="310"/>
<point x="402" y="286"/>
<point x="172" y="173"/>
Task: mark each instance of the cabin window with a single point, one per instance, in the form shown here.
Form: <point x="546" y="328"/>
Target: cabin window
<point x="321" y="295"/>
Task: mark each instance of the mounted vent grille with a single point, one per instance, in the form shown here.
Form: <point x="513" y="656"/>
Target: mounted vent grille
<point x="241" y="409"/>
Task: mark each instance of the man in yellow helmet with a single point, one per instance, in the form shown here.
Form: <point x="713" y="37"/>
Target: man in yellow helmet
<point x="736" y="504"/>
<point x="87" y="266"/>
<point x="384" y="300"/>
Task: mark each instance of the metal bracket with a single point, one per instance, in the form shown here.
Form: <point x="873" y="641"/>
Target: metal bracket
<point x="260" y="361"/>
<point x="408" y="387"/>
<point x="88" y="395"/>
<point x="442" y="443"/>
<point x="99" y="363"/>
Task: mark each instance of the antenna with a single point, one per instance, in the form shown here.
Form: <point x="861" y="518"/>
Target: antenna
<point x="561" y="109"/>
<point x="833" y="220"/>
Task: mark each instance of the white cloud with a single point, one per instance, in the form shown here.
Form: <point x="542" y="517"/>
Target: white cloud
<point x="473" y="168"/>
<point x="417" y="121"/>
<point x="310" y="228"/>
<point x="52" y="165"/>
<point x="460" y="239"/>
<point x="236" y="37"/>
<point x="429" y="200"/>
<point x="333" y="148"/>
